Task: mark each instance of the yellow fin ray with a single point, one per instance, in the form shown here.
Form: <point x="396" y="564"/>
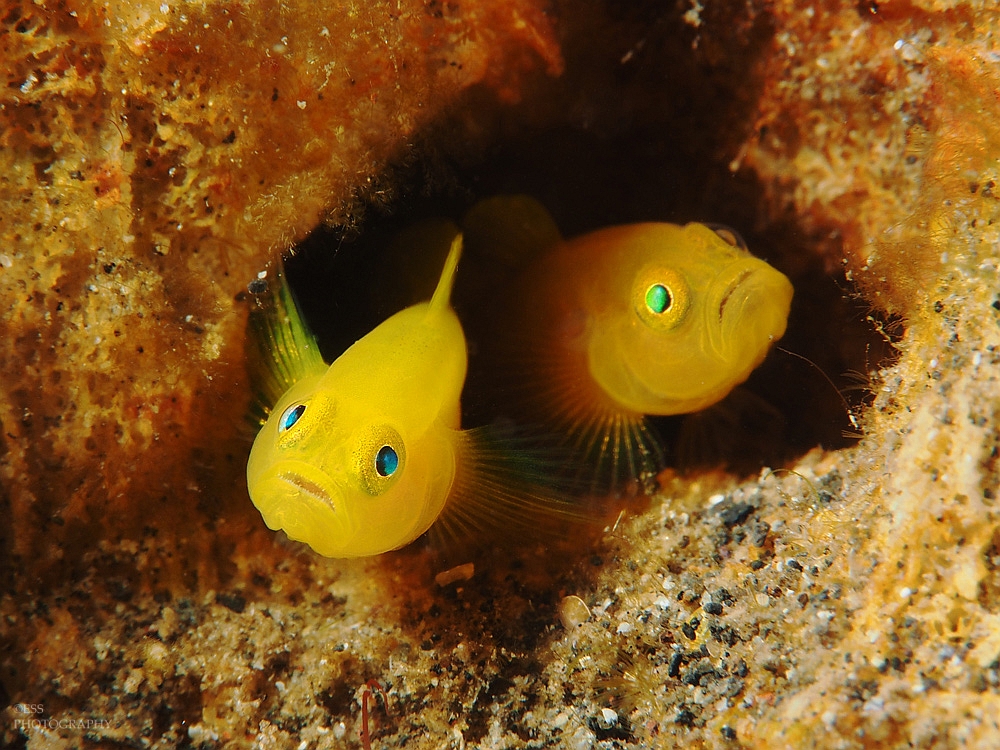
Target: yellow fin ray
<point x="607" y="450"/>
<point x="281" y="350"/>
<point x="621" y="452"/>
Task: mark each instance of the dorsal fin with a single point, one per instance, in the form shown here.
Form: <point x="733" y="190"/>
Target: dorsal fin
<point x="281" y="350"/>
<point x="512" y="229"/>
<point x="442" y="294"/>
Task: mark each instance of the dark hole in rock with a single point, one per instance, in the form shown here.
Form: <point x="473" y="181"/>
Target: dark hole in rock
<point x="807" y="393"/>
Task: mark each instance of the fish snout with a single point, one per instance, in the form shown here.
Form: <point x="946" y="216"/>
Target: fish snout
<point x="302" y="501"/>
<point x="752" y="310"/>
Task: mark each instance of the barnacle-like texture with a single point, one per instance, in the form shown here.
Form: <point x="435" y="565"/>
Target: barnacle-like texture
<point x="853" y="604"/>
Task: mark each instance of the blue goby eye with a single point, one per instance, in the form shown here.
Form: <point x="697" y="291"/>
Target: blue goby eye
<point x="386" y="461"/>
<point x="290" y="416"/>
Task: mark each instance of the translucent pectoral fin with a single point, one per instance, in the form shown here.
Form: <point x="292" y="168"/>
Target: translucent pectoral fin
<point x="619" y="454"/>
<point x="511" y="488"/>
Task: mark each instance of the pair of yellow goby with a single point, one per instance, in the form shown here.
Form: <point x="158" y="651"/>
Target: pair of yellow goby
<point x="362" y="456"/>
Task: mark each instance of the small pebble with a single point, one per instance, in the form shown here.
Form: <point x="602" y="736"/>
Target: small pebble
<point x="573" y="612"/>
<point x="458" y="573"/>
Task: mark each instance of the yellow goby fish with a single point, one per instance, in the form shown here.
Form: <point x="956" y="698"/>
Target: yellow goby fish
<point x="644" y="319"/>
<point x="364" y="455"/>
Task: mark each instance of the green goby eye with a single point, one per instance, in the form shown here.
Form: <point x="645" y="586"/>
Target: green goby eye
<point x="658" y="299"/>
<point x="661" y="297"/>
